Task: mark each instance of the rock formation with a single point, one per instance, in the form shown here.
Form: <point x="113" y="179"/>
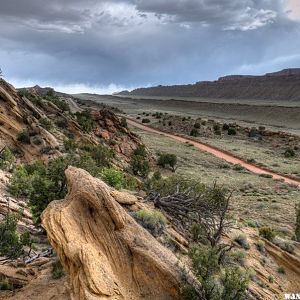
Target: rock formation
<point x="105" y="252"/>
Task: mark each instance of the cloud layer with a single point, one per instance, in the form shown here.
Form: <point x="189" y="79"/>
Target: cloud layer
<point x="94" y="44"/>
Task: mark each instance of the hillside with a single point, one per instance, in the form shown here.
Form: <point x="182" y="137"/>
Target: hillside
<point x="282" y="85"/>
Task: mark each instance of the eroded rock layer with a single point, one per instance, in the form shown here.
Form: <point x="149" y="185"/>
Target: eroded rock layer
<point x="105" y="252"/>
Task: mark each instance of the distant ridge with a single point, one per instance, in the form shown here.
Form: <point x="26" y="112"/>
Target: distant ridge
<point x="282" y="85"/>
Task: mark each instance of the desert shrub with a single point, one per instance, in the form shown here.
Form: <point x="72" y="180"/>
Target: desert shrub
<point x="7" y="159"/>
<point x="267" y="233"/>
<point x="297" y="229"/>
<point x="253" y="132"/>
<point x="217" y="127"/>
<point x="57" y="270"/>
<point x="225" y="127"/>
<point x="260" y="245"/>
<point x="140" y="166"/>
<point x="36" y="140"/>
<point x="252" y="223"/>
<point x="271" y="279"/>
<point x="46" y="123"/>
<point x="70" y="145"/>
<point x="130" y="183"/>
<point x="238" y="167"/>
<point x="238" y="256"/>
<point x="281" y="270"/>
<point x="228" y="283"/>
<point x="101" y="154"/>
<point x="140" y="150"/>
<point x="154" y="221"/>
<point x="197" y="125"/>
<point x="265" y="175"/>
<point x="46" y="150"/>
<point x="194" y="132"/>
<point x="85" y="120"/>
<point x="124" y="122"/>
<point x="5" y="284"/>
<point x="24" y="137"/>
<point x="113" y="177"/>
<point x="284" y="244"/>
<point x="241" y="239"/>
<point x="19" y="183"/>
<point x="289" y="153"/>
<point x="11" y="243"/>
<point x="61" y="123"/>
<point x="145" y="120"/>
<point x="203" y="122"/>
<point x="167" y="160"/>
<point x="189" y="293"/>
<point x="231" y="131"/>
<point x="138" y="118"/>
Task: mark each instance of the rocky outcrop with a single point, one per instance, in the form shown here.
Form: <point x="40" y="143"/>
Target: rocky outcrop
<point x="283" y="85"/>
<point x="105" y="252"/>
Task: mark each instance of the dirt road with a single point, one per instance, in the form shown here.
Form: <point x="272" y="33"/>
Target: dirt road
<point x="218" y="153"/>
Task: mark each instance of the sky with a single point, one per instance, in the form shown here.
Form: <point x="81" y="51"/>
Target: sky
<point x="103" y="46"/>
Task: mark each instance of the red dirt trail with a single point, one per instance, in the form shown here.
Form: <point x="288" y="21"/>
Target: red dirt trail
<point x="218" y="153"/>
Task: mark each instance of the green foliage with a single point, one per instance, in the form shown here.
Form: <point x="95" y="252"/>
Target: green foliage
<point x="46" y="123"/>
<point x="289" y="153"/>
<point x="267" y="233"/>
<point x="197" y="125"/>
<point x="189" y="293"/>
<point x="57" y="270"/>
<point x="7" y="159"/>
<point x="102" y="155"/>
<point x="231" y="131"/>
<point x="140" y="151"/>
<point x="235" y="283"/>
<point x="124" y="122"/>
<point x="85" y="121"/>
<point x="146" y="120"/>
<point x="297" y="229"/>
<point x="194" y="132"/>
<point x="24" y="137"/>
<point x="153" y="220"/>
<point x="281" y="270"/>
<point x="225" y="127"/>
<point x="253" y="132"/>
<point x="11" y="243"/>
<point x="113" y="177"/>
<point x="167" y="159"/>
<point x="140" y="166"/>
<point x="19" y="184"/>
<point x="241" y="239"/>
<point x="70" y="145"/>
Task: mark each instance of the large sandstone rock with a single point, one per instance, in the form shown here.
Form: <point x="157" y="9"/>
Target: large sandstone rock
<point x="105" y="252"/>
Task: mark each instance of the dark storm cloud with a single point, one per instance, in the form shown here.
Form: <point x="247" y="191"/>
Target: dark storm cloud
<point x="140" y="42"/>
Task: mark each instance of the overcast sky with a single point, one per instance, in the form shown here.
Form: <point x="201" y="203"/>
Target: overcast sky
<point x="103" y="46"/>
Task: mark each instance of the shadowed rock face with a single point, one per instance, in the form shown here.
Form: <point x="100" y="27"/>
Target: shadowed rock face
<point x="106" y="253"/>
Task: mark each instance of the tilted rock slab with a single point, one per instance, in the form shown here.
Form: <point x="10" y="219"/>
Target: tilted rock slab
<point x="106" y="253"/>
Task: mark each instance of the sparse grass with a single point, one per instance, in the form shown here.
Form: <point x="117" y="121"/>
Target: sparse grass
<point x="241" y="239"/>
<point x="57" y="270"/>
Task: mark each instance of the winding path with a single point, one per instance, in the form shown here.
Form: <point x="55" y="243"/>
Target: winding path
<point x="218" y="153"/>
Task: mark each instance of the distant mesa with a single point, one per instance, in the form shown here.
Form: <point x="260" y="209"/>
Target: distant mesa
<point x="282" y="85"/>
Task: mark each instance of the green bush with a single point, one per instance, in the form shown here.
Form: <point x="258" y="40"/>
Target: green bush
<point x="140" y="151"/>
<point x="194" y="132"/>
<point x="253" y="132"/>
<point x="140" y="166"/>
<point x="146" y="121"/>
<point x="225" y="127"/>
<point x="153" y="220"/>
<point x="267" y="233"/>
<point x="197" y="125"/>
<point x="62" y="105"/>
<point x="46" y="123"/>
<point x="113" y="177"/>
<point x="231" y="131"/>
<point x="11" y="243"/>
<point x="24" y="137"/>
<point x="241" y="239"/>
<point x="289" y="153"/>
<point x="281" y="270"/>
<point x="7" y="159"/>
<point x="19" y="184"/>
<point x="57" y="270"/>
<point x="124" y="122"/>
<point x="167" y="160"/>
<point x="70" y="145"/>
<point x="85" y="120"/>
